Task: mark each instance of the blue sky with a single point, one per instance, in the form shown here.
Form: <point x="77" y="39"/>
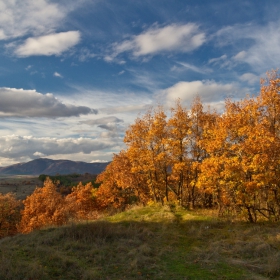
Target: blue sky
<point x="75" y="74"/>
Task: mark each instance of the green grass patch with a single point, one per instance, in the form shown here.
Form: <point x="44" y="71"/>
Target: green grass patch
<point x="154" y="242"/>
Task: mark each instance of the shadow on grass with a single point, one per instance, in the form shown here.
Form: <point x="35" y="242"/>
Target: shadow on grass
<point x="145" y="244"/>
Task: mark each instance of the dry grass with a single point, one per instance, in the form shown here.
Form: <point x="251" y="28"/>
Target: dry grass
<point x="254" y="247"/>
<point x="20" y="185"/>
<point x="145" y="243"/>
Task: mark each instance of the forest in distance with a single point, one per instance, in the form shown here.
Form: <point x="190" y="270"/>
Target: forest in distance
<point x="196" y="158"/>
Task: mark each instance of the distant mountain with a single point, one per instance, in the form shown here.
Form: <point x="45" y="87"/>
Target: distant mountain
<point x="52" y="167"/>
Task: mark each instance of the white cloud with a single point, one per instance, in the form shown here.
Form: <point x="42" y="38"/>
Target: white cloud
<point x="240" y="56"/>
<point x="210" y="92"/>
<point x="14" y="146"/>
<point x="19" y="18"/>
<point x="174" y="37"/>
<point x="56" y="74"/>
<point x="98" y="160"/>
<point x="39" y="154"/>
<point x="29" y="103"/>
<point x="250" y="78"/>
<point x="52" y="44"/>
<point x="2" y="35"/>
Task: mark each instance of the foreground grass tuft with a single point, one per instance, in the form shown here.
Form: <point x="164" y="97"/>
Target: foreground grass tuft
<point x="145" y="243"/>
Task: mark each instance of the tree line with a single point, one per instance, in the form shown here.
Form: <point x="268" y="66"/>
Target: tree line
<point x="200" y="158"/>
<point x="194" y="157"/>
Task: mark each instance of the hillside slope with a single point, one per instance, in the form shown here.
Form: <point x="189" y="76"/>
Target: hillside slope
<point x="145" y="243"/>
<point x="51" y="167"/>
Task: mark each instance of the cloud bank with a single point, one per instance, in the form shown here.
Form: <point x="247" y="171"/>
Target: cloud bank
<point x="29" y="103"/>
<point x="14" y="146"/>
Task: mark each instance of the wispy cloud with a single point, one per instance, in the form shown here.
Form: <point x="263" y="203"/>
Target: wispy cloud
<point x="85" y="54"/>
<point x="171" y="38"/>
<point x="256" y="45"/>
<point x="29" y="103"/>
<point x="58" y="75"/>
<point x="217" y="60"/>
<point x="224" y="61"/>
<point x="187" y="66"/>
<point x="51" y="44"/>
<point x="112" y="102"/>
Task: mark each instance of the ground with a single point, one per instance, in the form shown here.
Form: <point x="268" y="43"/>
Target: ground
<point x="152" y="242"/>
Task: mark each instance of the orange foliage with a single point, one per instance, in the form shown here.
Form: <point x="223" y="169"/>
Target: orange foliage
<point x="9" y="214"/>
<point x="120" y="186"/>
<point x="204" y="159"/>
<point x="196" y="157"/>
<point x="81" y="203"/>
<point x="45" y="206"/>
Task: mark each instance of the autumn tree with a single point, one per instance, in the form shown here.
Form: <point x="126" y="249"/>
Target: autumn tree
<point x="120" y="185"/>
<point x="201" y="121"/>
<point x="148" y="151"/>
<point x="178" y="142"/>
<point x="45" y="206"/>
<point x="242" y="167"/>
<point x="9" y="214"/>
<point x="269" y="145"/>
<point x="80" y="203"/>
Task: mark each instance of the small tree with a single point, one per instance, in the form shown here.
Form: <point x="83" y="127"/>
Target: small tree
<point x="9" y="214"/>
<point x="45" y="206"/>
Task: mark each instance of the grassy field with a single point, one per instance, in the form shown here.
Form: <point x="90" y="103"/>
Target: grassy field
<point x="146" y="243"/>
<point x="20" y="185"/>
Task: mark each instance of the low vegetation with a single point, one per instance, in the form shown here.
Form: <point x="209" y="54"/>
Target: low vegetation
<point x="152" y="242"/>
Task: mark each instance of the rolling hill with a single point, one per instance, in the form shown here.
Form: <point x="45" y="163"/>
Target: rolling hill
<point x="52" y="167"/>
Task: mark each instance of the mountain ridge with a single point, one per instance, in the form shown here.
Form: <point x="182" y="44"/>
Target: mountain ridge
<point x="52" y="167"/>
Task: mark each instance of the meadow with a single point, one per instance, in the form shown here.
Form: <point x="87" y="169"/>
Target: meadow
<point x="152" y="242"/>
<point x="20" y="185"/>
